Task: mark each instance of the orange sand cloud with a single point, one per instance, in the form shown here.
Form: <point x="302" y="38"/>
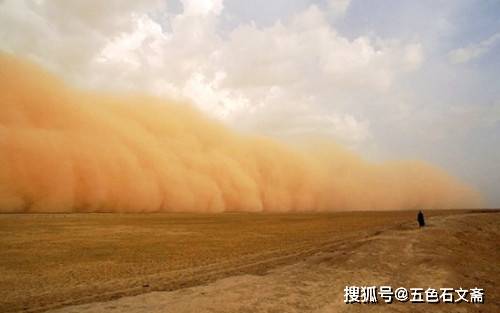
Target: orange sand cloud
<point x="67" y="150"/>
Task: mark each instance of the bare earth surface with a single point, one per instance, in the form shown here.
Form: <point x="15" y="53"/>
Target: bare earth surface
<point x="241" y="262"/>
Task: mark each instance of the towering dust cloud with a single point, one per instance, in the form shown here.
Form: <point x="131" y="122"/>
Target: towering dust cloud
<point x="65" y="150"/>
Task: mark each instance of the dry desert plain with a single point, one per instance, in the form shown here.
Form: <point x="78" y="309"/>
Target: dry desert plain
<point x="242" y="262"/>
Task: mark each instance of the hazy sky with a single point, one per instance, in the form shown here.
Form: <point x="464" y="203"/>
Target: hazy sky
<point x="389" y="78"/>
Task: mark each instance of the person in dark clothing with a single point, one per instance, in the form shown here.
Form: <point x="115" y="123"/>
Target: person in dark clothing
<point x="420" y="219"/>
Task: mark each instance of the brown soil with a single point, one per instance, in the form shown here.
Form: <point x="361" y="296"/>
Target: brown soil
<point x="237" y="262"/>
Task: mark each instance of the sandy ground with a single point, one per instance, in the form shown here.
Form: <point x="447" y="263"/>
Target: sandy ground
<point x="454" y="251"/>
<point x="54" y="260"/>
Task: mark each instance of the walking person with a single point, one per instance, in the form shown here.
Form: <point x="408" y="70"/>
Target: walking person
<point x="421" y="219"/>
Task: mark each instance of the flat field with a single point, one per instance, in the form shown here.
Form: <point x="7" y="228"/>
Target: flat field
<point x="49" y="261"/>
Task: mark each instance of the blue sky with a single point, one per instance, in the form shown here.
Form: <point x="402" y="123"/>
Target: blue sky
<point x="390" y="79"/>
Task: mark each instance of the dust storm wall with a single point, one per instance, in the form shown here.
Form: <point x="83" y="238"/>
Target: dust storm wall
<point x="69" y="150"/>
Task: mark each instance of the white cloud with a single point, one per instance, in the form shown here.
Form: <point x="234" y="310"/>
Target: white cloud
<point x="247" y="76"/>
<point x="307" y="51"/>
<point x="202" y="7"/>
<point x="66" y="35"/>
<point x="473" y="51"/>
<point x="127" y="48"/>
<point x="218" y="102"/>
<point x="338" y="7"/>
